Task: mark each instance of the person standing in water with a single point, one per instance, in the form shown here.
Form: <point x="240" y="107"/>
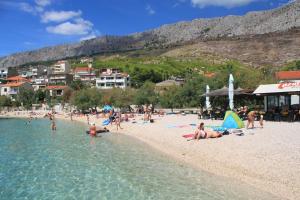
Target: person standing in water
<point x="53" y="125"/>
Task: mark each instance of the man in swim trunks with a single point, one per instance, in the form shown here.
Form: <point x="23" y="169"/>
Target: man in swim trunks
<point x="93" y="130"/>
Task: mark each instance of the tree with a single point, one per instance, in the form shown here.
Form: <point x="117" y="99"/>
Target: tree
<point x="86" y="99"/>
<point x="171" y="98"/>
<point x="146" y="95"/>
<point x="66" y="96"/>
<point x="26" y="97"/>
<point x="77" y="85"/>
<point x="39" y="96"/>
<point x="119" y="97"/>
<point x="5" y="102"/>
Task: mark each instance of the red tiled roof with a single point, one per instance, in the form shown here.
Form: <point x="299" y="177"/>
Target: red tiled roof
<point x="209" y="74"/>
<point x="56" y="87"/>
<point x="288" y="75"/>
<point x="82" y="69"/>
<point x="17" y="78"/>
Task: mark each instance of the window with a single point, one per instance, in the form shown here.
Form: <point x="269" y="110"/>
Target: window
<point x="5" y="89"/>
<point x="272" y="102"/>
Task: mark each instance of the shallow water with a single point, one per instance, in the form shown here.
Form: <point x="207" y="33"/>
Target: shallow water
<point x="36" y="163"/>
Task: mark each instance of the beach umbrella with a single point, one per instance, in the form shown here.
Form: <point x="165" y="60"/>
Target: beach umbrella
<point x="207" y="102"/>
<point x="107" y="108"/>
<point x="231" y="92"/>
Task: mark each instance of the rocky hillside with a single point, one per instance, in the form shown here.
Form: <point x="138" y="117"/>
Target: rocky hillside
<point x="279" y="21"/>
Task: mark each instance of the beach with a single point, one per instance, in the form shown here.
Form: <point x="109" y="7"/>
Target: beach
<point x="266" y="158"/>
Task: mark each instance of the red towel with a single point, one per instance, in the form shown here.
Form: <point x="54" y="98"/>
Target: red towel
<point x="188" y="135"/>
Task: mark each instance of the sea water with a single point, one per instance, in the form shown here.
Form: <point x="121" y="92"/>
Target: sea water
<point x="37" y="163"/>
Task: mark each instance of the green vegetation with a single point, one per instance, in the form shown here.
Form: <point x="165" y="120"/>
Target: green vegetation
<point x="86" y="99"/>
<point x="292" y="66"/>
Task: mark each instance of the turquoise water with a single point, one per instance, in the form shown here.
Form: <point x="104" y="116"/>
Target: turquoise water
<point x="36" y="163"/>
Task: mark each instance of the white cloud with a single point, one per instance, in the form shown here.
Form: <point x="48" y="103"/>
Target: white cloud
<point x="78" y="27"/>
<point x="221" y="3"/>
<point x="59" y="16"/>
<point x="27" y="8"/>
<point x="43" y="3"/>
<point x="150" y="10"/>
<point x="88" y="37"/>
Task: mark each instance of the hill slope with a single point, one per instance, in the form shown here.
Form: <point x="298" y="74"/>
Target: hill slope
<point x="281" y="21"/>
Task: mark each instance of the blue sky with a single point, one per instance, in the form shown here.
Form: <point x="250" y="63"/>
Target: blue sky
<point x="33" y="24"/>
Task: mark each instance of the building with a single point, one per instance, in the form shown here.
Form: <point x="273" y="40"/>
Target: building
<point x="165" y="85"/>
<point x="86" y="60"/>
<point x="85" y="74"/>
<point x="56" y="90"/>
<point x="62" y="78"/>
<point x="281" y="96"/>
<point x="288" y="75"/>
<point x="13" y="86"/>
<point x="3" y="72"/>
<point x="111" y="78"/>
<point x="60" y="73"/>
<point x="60" y="67"/>
<point x="6" y="72"/>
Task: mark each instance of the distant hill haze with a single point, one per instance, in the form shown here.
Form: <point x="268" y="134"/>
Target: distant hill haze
<point x="258" y="38"/>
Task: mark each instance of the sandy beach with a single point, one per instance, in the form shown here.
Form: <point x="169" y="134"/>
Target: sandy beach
<point x="267" y="158"/>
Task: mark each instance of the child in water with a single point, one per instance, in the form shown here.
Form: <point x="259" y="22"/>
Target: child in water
<point x="53" y="125"/>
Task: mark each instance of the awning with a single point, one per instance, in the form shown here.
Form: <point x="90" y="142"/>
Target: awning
<point x="286" y="87"/>
<point x="224" y="92"/>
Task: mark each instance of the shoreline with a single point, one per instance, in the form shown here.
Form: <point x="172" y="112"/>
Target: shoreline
<point x="258" y="160"/>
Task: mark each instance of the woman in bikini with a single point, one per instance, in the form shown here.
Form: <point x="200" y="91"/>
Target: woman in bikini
<point x="201" y="134"/>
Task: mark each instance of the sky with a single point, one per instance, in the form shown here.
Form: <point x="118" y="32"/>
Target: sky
<point x="32" y="24"/>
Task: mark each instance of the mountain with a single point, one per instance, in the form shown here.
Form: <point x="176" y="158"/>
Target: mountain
<point x="231" y="31"/>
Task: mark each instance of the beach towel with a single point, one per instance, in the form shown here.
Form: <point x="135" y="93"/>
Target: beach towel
<point x="188" y="135"/>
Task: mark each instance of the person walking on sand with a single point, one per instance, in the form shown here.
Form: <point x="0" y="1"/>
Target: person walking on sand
<point x="118" y="120"/>
<point x="251" y="118"/>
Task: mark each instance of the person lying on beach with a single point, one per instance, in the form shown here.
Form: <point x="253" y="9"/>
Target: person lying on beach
<point x="200" y="133"/>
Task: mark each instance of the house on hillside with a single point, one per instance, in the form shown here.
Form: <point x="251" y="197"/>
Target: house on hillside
<point x="13" y="86"/>
<point x="60" y="73"/>
<point x="86" y="60"/>
<point x="85" y="74"/>
<point x="164" y="85"/>
<point x="56" y="90"/>
<point x="6" y="72"/>
<point x="111" y="78"/>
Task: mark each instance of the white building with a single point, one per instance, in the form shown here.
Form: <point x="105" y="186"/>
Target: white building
<point x="111" y="78"/>
<point x="3" y="72"/>
<point x="60" y="67"/>
<point x="13" y="86"/>
<point x="85" y="74"/>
